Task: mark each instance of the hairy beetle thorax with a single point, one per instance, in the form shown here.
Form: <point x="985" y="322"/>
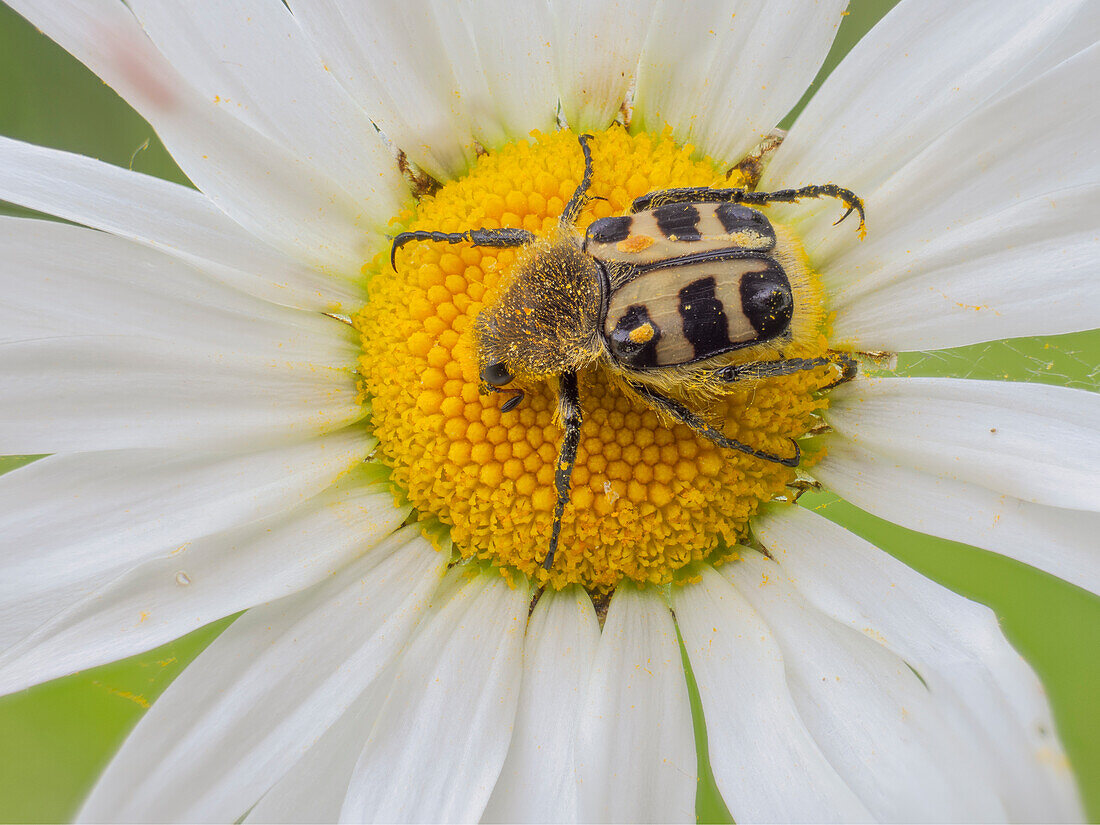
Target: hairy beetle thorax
<point x="545" y="319"/>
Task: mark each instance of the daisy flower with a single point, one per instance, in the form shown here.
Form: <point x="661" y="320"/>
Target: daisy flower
<point x="250" y="411"/>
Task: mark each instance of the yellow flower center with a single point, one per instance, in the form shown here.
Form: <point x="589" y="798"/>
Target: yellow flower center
<point x="648" y="496"/>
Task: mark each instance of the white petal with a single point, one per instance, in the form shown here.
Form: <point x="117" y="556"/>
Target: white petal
<point x="266" y="189"/>
<point x="166" y="216"/>
<point x="1037" y="442"/>
<point x="879" y="727"/>
<point x="72" y="523"/>
<point x="722" y="74"/>
<point x="204" y="580"/>
<point x="110" y="392"/>
<point x="925" y="67"/>
<point x="597" y="44"/>
<point x="987" y="151"/>
<point x="954" y="644"/>
<point x="440" y="740"/>
<point x="512" y="43"/>
<point x="980" y="161"/>
<point x="438" y="76"/>
<point x="1061" y="542"/>
<point x="539" y="780"/>
<point x="636" y="746"/>
<point x="66" y="281"/>
<point x="989" y="90"/>
<point x="1026" y="270"/>
<point x="765" y="762"/>
<point x="313" y="790"/>
<point x="393" y="59"/>
<point x="254" y="60"/>
<point x="246" y="710"/>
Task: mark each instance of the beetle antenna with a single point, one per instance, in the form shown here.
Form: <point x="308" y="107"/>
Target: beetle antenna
<point x="517" y="396"/>
<point x="512" y="402"/>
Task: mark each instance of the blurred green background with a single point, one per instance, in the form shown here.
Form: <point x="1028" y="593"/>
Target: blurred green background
<point x="54" y="739"/>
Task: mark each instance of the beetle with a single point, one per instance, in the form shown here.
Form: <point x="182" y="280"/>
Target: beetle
<point x="671" y="295"/>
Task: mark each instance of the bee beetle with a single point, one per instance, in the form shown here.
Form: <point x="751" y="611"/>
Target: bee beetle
<point x="662" y="297"/>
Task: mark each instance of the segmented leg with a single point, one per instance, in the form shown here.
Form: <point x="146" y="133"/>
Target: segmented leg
<point x="569" y="398"/>
<point x="509" y="236"/>
<point x="698" y="425"/>
<point x="580" y="194"/>
<point x="704" y="194"/>
<point x="787" y="366"/>
<point x="506" y="237"/>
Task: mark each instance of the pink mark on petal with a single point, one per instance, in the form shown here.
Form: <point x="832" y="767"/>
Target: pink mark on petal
<point x="142" y="71"/>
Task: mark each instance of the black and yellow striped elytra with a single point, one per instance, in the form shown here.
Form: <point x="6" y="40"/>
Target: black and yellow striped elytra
<point x="673" y="294"/>
<point x="689" y="282"/>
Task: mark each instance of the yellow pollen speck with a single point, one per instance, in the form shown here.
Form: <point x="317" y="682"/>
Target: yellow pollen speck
<point x="642" y="334"/>
<point x="648" y="496"/>
<point x="635" y="243"/>
<point x="136" y="698"/>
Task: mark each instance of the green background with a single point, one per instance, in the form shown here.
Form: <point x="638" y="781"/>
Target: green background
<point x="55" y="738"/>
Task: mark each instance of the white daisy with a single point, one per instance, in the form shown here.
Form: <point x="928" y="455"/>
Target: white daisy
<point x="224" y="441"/>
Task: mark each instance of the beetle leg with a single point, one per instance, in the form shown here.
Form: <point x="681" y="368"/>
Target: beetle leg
<point x="687" y="194"/>
<point x="697" y="424"/>
<point x="580" y="194"/>
<point x="570" y="406"/>
<point x="830" y="190"/>
<point x="786" y="366"/>
<point x="704" y="194"/>
<point x="509" y="236"/>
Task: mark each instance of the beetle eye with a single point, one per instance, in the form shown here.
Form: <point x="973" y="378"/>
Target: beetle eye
<point x="496" y="374"/>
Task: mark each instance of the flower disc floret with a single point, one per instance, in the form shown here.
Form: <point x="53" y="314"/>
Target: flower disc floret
<point x="648" y="496"/>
